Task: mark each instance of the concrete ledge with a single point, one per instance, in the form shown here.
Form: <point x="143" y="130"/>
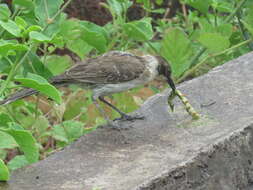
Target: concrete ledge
<point x="166" y="151"/>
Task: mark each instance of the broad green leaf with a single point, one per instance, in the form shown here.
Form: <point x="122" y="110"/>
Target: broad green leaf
<point x="7" y="141"/>
<point x="225" y="29"/>
<point x="5" y="66"/>
<point x="41" y="125"/>
<point x="80" y="47"/>
<point x="5" y="13"/>
<point x="45" y="10"/>
<point x="6" y="47"/>
<point x="58" y="64"/>
<point x="32" y="28"/>
<point x="176" y="48"/>
<point x="38" y="36"/>
<point x="59" y="134"/>
<point x="68" y="131"/>
<point x="17" y="162"/>
<point x="20" y="22"/>
<point x="115" y="6"/>
<point x="4" y="172"/>
<point x="70" y="30"/>
<point x="200" y="5"/>
<point x="4" y="119"/>
<point x="26" y="142"/>
<point x="11" y="27"/>
<point x="37" y="65"/>
<point x="40" y="84"/>
<point x="24" y="4"/>
<point x="15" y="126"/>
<point x="73" y="129"/>
<point x="94" y="35"/>
<point x="214" y="42"/>
<point x="140" y="30"/>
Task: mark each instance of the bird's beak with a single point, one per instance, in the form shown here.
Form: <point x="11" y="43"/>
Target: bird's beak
<point x="173" y="92"/>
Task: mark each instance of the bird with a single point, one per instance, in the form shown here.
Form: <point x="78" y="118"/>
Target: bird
<point x="112" y="72"/>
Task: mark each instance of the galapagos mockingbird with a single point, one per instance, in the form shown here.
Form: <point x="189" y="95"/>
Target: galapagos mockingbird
<point x="112" y="72"/>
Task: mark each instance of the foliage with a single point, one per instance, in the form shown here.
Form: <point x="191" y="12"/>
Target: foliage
<point x="33" y="31"/>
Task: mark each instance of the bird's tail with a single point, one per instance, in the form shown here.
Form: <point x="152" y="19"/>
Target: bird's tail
<point x="19" y="95"/>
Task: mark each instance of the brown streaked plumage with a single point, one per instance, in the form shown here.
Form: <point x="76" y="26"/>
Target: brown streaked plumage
<point x="112" y="72"/>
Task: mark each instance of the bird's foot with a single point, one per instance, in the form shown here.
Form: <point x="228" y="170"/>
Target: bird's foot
<point x="125" y="117"/>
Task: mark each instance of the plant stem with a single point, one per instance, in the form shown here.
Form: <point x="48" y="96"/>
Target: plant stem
<point x="193" y="69"/>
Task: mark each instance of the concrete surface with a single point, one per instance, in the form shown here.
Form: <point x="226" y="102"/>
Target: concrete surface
<point x="167" y="151"/>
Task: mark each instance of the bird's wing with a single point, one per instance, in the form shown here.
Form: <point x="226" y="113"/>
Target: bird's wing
<point x="113" y="67"/>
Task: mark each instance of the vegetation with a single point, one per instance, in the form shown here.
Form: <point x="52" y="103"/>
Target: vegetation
<point x="201" y="36"/>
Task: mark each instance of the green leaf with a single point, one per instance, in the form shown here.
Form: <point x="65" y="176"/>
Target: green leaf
<point x="58" y="64"/>
<point x="5" y="13"/>
<point x="5" y="119"/>
<point x="17" y="162"/>
<point x="6" y="47"/>
<point x="59" y="134"/>
<point x="41" y="124"/>
<point x="140" y="30"/>
<point x="94" y="35"/>
<point x="24" y="4"/>
<point x="80" y="47"/>
<point x="73" y="129"/>
<point x="11" y="27"/>
<point x="200" y="5"/>
<point x="225" y="30"/>
<point x="38" y="36"/>
<point x="40" y="84"/>
<point x="32" y="28"/>
<point x="70" y="30"/>
<point x="7" y="141"/>
<point x="4" y="172"/>
<point x="46" y="10"/>
<point x="20" y="22"/>
<point x="176" y="47"/>
<point x="68" y="131"/>
<point x="38" y="66"/>
<point x="5" y="66"/>
<point x="214" y="42"/>
<point x="26" y="142"/>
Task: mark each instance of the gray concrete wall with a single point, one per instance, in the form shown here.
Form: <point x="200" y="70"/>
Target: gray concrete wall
<point x="166" y="151"/>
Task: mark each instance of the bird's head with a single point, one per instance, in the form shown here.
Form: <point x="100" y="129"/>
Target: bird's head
<point x="165" y="70"/>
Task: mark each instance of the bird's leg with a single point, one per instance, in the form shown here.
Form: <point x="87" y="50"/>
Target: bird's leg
<point x="102" y="112"/>
<point x="123" y="115"/>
